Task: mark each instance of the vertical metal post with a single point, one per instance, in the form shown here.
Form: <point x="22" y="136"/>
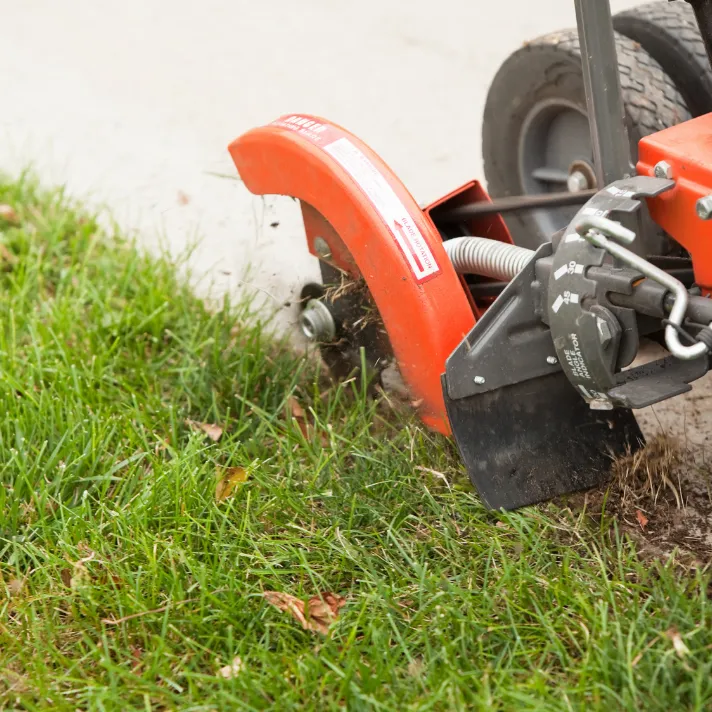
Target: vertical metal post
<point x="606" y="115"/>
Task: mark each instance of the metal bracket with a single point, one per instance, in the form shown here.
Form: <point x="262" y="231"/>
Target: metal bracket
<point x="656" y="381"/>
<point x="509" y="344"/>
<point x="585" y="343"/>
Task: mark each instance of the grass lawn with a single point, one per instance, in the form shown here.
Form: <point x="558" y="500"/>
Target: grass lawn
<point x="136" y="545"/>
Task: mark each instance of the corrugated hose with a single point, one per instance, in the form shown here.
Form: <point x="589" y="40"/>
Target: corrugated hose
<point x="489" y="258"/>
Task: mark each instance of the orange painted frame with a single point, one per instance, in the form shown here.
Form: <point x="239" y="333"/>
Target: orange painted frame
<point x="425" y="318"/>
<point x="687" y="147"/>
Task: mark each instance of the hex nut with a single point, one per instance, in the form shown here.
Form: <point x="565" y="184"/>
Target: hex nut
<point x="663" y="170"/>
<point x="576" y="182"/>
<point x="704" y="207"/>
<point x="604" y="332"/>
<point x="321" y="247"/>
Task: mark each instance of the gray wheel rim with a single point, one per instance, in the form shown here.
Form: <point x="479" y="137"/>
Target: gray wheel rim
<point x="555" y="136"/>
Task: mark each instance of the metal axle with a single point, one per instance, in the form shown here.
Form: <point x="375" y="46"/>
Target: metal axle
<point x="513" y="204"/>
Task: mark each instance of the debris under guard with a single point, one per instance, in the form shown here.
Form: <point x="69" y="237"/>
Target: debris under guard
<point x="523" y="431"/>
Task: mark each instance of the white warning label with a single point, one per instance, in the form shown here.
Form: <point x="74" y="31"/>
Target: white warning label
<point x="397" y="218"/>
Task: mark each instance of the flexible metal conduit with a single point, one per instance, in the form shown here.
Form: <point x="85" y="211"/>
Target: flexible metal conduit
<point x="489" y="258"/>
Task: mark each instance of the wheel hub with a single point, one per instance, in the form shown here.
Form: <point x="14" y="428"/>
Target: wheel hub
<point x="554" y="156"/>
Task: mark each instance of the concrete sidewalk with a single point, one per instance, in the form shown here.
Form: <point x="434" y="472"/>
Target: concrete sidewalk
<point x="132" y="105"/>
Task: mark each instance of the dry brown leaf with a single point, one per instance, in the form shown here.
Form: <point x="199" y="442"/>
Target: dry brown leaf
<point x="316" y="615"/>
<point x="214" y="432"/>
<point x="137" y="656"/>
<point x="642" y="519"/>
<point x="228" y="479"/>
<point x="299" y="415"/>
<point x="288" y="603"/>
<point x="233" y="669"/>
<point x="15" y="586"/>
<point x="323" y="610"/>
<point x="8" y="214"/>
<point x="7" y="256"/>
<point x="295" y="408"/>
<point x="80" y="577"/>
<point x="416" y="667"/>
<point x="677" y="642"/>
<point x="13" y="683"/>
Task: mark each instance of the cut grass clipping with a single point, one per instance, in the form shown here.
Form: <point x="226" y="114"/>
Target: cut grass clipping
<point x="190" y="520"/>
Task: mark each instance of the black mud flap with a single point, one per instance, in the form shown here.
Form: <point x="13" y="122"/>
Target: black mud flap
<point x="538" y="439"/>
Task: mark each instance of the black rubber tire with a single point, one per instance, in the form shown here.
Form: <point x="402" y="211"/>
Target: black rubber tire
<point x="550" y="67"/>
<point x="668" y="32"/>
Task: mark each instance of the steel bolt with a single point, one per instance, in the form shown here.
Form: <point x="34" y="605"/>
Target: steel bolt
<point x="663" y="170"/>
<point x="317" y="323"/>
<point x="704" y="208"/>
<point x="479" y="380"/>
<point x="604" y="332"/>
<point x="552" y="360"/>
<point x="321" y="247"/>
<point x="576" y="182"/>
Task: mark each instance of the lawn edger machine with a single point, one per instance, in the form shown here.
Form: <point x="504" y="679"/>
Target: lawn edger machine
<point x="514" y="318"/>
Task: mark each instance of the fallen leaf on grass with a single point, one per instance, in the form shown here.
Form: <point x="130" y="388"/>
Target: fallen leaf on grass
<point x="316" y="615"/>
<point x="228" y="479"/>
<point x="642" y="519"/>
<point x="14" y="587"/>
<point x="7" y="256"/>
<point x="80" y="577"/>
<point x="76" y="577"/>
<point x="13" y="682"/>
<point x="214" y="432"/>
<point x="233" y="669"/>
<point x="137" y="657"/>
<point x="416" y="667"/>
<point x="8" y="214"/>
<point x="298" y="414"/>
<point x="677" y="642"/>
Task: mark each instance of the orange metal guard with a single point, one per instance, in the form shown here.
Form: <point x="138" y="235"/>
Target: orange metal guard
<point x="374" y="228"/>
<point x="687" y="148"/>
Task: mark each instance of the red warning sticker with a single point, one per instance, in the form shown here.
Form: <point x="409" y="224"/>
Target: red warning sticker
<point x="377" y="189"/>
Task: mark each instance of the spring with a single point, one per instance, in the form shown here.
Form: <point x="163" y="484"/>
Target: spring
<point x="489" y="258"/>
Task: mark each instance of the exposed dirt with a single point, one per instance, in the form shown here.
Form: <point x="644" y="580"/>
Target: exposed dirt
<point x="661" y="497"/>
